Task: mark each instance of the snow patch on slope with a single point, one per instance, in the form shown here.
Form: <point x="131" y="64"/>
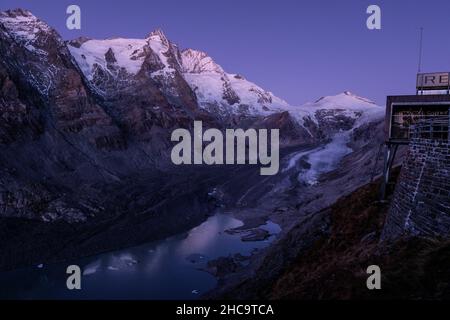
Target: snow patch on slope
<point x="129" y="54"/>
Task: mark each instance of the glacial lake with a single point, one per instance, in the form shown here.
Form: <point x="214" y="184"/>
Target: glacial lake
<point x="165" y="270"/>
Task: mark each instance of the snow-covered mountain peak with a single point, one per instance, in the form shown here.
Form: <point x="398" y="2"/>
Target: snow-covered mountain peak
<point x="347" y="105"/>
<point x="158" y="36"/>
<point x="345" y="100"/>
<point x="225" y="93"/>
<point x="23" y="26"/>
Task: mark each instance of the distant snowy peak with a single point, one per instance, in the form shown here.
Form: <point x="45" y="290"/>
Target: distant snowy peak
<point x="345" y="100"/>
<point x="346" y="105"/>
<point x="194" y="61"/>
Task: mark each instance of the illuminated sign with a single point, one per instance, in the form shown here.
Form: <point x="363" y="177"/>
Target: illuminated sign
<point x="433" y="81"/>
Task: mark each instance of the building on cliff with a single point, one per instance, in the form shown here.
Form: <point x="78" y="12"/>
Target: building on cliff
<point x="421" y="201"/>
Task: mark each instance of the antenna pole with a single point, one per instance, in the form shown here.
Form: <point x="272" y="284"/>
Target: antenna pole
<point x="420" y="50"/>
<point x="419" y="68"/>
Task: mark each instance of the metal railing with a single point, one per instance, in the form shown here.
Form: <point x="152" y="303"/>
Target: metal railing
<point x="402" y="123"/>
<point x="436" y="128"/>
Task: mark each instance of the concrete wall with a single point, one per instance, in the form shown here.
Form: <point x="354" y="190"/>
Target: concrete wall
<point x="421" y="202"/>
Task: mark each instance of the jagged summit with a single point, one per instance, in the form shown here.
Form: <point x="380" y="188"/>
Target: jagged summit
<point x="213" y="87"/>
<point x="158" y="33"/>
<point x="18" y="12"/>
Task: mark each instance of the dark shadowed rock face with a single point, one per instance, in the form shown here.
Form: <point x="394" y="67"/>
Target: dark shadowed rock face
<point x="43" y="72"/>
<point x="228" y="93"/>
<point x="291" y="132"/>
<point x="17" y="119"/>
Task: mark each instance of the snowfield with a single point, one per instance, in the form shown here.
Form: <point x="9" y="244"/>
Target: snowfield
<point x="128" y="54"/>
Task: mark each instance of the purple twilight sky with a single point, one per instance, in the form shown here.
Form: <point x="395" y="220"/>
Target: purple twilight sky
<point x="300" y="50"/>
